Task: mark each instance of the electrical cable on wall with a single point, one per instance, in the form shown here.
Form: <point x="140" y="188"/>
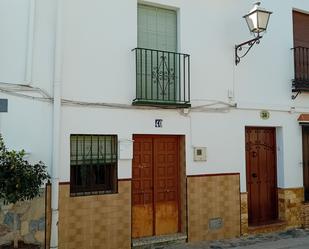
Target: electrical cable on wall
<point x="19" y="90"/>
<point x="215" y="106"/>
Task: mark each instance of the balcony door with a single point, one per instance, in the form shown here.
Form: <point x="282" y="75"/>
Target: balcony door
<point x="157" y="64"/>
<point x="157" y="28"/>
<point x="301" y="29"/>
<point x="301" y="50"/>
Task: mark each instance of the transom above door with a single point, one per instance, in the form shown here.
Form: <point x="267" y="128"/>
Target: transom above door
<point x="155" y="185"/>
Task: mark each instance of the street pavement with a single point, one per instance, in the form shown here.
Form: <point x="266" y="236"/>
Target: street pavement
<point x="291" y="239"/>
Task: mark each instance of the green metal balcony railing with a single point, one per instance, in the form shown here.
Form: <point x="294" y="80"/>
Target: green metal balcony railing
<point x="162" y="78"/>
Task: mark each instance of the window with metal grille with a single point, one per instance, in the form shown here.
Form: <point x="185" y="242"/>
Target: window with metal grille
<point x="93" y="164"/>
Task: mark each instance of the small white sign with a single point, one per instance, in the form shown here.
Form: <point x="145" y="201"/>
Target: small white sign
<point x="126" y="149"/>
<point x="200" y="154"/>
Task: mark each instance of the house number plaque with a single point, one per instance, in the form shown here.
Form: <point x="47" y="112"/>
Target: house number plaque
<point x="264" y="115"/>
<point x="158" y="123"/>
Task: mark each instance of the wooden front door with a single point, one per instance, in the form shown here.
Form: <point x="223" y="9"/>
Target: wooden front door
<point x="155" y="181"/>
<point x="261" y="175"/>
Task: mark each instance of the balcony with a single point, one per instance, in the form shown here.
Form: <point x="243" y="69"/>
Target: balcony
<point x="162" y="78"/>
<point x="301" y="70"/>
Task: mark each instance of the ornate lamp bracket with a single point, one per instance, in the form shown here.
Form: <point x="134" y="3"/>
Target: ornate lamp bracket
<point x="240" y="48"/>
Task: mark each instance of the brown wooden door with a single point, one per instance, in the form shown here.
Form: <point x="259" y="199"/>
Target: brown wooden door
<point x="261" y="175"/>
<point x="306" y="161"/>
<point x="155" y="194"/>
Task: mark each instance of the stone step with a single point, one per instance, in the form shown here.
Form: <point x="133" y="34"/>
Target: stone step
<point x="158" y="242"/>
<point x="271" y="227"/>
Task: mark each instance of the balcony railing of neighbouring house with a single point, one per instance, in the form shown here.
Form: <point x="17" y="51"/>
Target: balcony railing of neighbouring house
<point x="162" y="78"/>
<point x="301" y="69"/>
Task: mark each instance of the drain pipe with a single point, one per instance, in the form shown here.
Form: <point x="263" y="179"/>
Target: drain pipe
<point x="56" y="125"/>
<point x="31" y="25"/>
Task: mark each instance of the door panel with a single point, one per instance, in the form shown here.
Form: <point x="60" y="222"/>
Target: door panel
<point x="155" y="191"/>
<point x="261" y="175"/>
<point x="142" y="188"/>
<point x="166" y="185"/>
<point x="166" y="217"/>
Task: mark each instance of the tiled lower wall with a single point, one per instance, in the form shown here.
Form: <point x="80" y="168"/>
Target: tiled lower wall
<point x="305" y="215"/>
<point x="244" y="213"/>
<point x="97" y="221"/>
<point x="290" y="206"/>
<point x="209" y="197"/>
<point x="104" y="221"/>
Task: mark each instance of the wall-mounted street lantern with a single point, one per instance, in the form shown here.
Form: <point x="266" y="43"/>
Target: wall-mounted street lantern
<point x="257" y="21"/>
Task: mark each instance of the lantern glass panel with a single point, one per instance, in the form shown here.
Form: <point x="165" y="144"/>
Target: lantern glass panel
<point x="252" y="21"/>
<point x="263" y="20"/>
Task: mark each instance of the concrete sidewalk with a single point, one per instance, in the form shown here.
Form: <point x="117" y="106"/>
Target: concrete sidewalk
<point x="291" y="239"/>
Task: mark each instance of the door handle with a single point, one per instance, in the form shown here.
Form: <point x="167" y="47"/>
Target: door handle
<point x="254" y="175"/>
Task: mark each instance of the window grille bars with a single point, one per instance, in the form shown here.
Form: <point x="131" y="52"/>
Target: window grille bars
<point x="93" y="160"/>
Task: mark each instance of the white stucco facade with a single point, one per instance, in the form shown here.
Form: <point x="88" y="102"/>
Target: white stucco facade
<point x="98" y="66"/>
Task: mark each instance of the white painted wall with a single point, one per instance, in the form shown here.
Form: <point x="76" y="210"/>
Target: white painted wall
<point x="13" y="43"/>
<point x="98" y="66"/>
<point x="28" y="123"/>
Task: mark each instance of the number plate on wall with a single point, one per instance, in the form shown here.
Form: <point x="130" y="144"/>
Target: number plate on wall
<point x="264" y="115"/>
<point x="158" y="123"/>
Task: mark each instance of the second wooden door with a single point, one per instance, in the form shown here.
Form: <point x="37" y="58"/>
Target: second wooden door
<point x="305" y="130"/>
<point x="155" y="194"/>
<point x="261" y="175"/>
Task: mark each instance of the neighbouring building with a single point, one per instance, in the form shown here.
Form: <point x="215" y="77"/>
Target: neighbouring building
<point x="147" y="125"/>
